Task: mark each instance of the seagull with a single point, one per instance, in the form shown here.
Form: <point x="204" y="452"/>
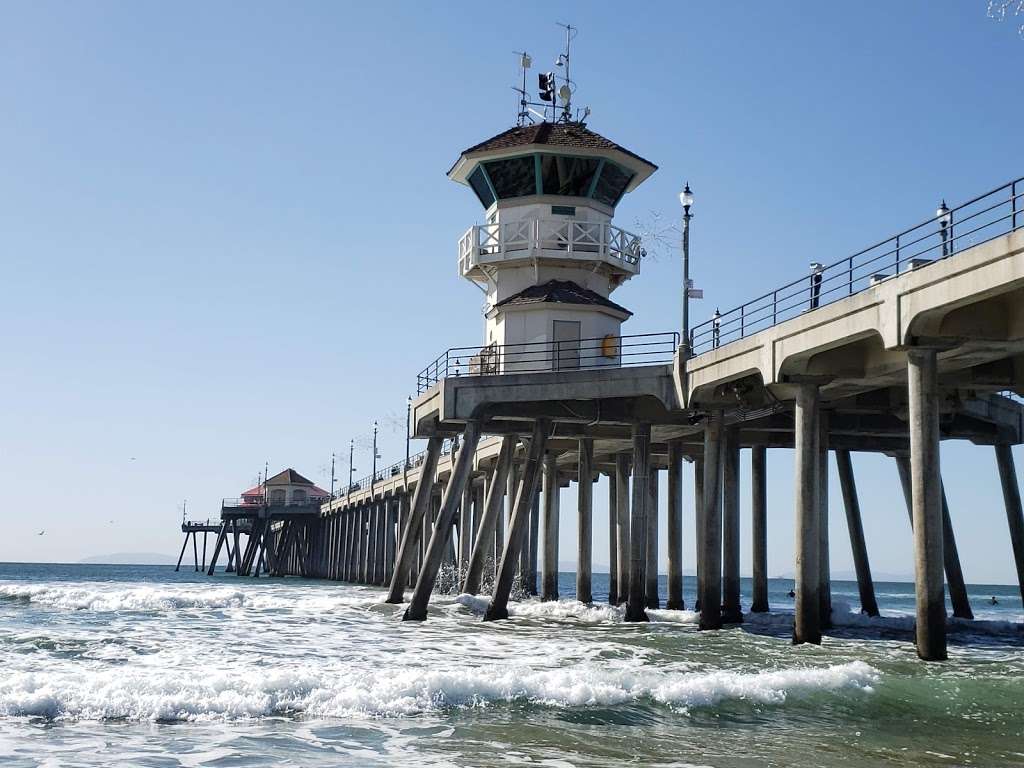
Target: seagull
<point x="41" y="532"/>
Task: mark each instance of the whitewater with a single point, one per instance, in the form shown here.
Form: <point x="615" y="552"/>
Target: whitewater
<point x="103" y="665"/>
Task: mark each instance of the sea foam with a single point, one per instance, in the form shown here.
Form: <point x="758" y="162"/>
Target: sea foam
<point x="160" y="696"/>
<point x="99" y="597"/>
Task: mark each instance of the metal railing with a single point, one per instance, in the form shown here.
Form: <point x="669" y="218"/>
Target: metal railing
<point x="392" y="470"/>
<point x="987" y="216"/>
<point x="549" y="356"/>
<point x="258" y="501"/>
<point x="485" y="242"/>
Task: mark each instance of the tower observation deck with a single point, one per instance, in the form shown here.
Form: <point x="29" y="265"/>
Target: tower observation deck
<point x="548" y="255"/>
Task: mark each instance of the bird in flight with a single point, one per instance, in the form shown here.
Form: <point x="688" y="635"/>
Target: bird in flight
<point x="41" y="532"/>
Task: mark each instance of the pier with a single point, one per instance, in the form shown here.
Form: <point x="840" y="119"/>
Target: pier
<point x="914" y="340"/>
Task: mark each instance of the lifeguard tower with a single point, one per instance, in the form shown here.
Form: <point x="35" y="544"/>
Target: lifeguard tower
<point x="548" y="256"/>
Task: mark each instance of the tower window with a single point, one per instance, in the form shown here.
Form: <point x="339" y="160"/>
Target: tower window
<point x="478" y="182"/>
<point x="612" y="184"/>
<point x="567" y="175"/>
<point x="563" y="210"/>
<point x="513" y="177"/>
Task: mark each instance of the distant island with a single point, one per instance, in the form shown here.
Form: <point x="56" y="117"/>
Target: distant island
<point x="129" y="558"/>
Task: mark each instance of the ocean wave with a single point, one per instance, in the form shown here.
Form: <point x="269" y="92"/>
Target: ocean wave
<point x="99" y="598"/>
<point x="568" y="609"/>
<point x="162" y="696"/>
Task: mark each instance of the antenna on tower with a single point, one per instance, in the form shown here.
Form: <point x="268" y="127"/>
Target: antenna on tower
<point x="525" y="62"/>
<point x="565" y="91"/>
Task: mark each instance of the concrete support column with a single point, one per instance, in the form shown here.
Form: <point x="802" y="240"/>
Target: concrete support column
<point x="865" y="585"/>
<point x="585" y="522"/>
<point x="364" y="517"/>
<point x="441" y="537"/>
<point x="382" y="535"/>
<point x="711" y="525"/>
<point x="926" y="495"/>
<point x="372" y="555"/>
<point x="531" y="577"/>
<point x="465" y="523"/>
<point x="613" y="553"/>
<point x="674" y="528"/>
<point x="698" y="533"/>
<point x="951" y="559"/>
<point x="549" y="563"/>
<point x="413" y="522"/>
<point x="824" y="571"/>
<point x="519" y="524"/>
<point x="483" y="546"/>
<point x="638" y="522"/>
<point x="651" y="597"/>
<point x="1014" y="514"/>
<point x="950" y="556"/>
<point x="622" y="545"/>
<point x="732" y="612"/>
<point x="390" y="529"/>
<point x="807" y="620"/>
<point x="759" y="527"/>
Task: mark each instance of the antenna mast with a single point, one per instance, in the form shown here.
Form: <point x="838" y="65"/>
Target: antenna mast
<point x="524" y="112"/>
<point x="563" y="60"/>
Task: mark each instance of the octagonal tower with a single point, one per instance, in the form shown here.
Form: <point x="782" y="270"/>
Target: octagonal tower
<point x="548" y="255"/>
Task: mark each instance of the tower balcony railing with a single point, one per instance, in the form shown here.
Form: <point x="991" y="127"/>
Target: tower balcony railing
<point x="549" y="238"/>
<point x="550" y="356"/>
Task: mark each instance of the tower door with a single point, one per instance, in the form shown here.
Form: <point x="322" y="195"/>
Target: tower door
<point x="566" y="343"/>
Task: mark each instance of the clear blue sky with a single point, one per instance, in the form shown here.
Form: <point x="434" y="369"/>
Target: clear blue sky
<point x="227" y="237"/>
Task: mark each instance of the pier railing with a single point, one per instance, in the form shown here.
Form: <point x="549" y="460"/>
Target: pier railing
<point x="549" y="356"/>
<point x="983" y="218"/>
<point x="392" y="470"/>
<point x="554" y="237"/>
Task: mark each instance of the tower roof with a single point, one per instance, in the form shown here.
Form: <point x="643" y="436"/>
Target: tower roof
<point x="567" y="139"/>
<point x="561" y="135"/>
<point x="288" y="477"/>
<point x="561" y="292"/>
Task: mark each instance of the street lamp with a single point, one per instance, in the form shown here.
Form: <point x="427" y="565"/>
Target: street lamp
<point x="686" y="200"/>
<point x="373" y="474"/>
<point x="945" y="217"/>
<point x="408" y="419"/>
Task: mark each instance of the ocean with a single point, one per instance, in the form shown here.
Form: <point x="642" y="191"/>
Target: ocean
<point x="141" y="666"/>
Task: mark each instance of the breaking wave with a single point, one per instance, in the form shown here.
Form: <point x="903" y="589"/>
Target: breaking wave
<point x="160" y="696"/>
<point x="96" y="598"/>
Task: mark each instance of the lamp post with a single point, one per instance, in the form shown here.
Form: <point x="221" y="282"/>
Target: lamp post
<point x="945" y="217"/>
<point x="373" y="474"/>
<point x="351" y="469"/>
<point x="332" y="476"/>
<point x="686" y="199"/>
<point x="408" y="423"/>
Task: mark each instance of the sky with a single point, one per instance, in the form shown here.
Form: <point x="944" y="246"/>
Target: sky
<point x="227" y="239"/>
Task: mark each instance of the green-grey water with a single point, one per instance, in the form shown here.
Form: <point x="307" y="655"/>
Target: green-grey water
<point x="139" y="666"/>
